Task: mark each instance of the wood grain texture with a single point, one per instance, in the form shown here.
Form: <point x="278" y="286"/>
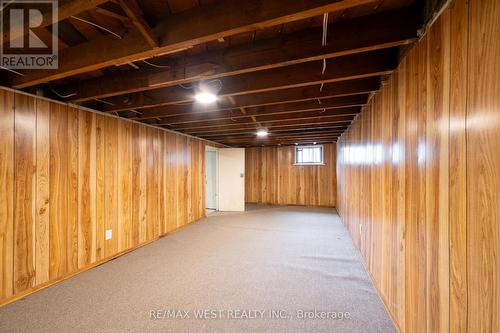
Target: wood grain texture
<point x="42" y="208"/>
<point x="272" y="178"/>
<point x="483" y="167"/>
<point x="7" y="193"/>
<point x="73" y="202"/>
<point x="68" y="175"/>
<point x="25" y="193"/>
<point x="418" y="177"/>
<point x="125" y="185"/>
<point x="111" y="185"/>
<point x="458" y="166"/>
<point x="86" y="188"/>
<point x="59" y="184"/>
<point x="100" y="186"/>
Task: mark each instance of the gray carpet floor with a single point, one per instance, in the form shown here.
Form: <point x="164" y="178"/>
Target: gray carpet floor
<point x="270" y="269"/>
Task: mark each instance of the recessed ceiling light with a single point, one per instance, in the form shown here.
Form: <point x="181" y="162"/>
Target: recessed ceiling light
<point x="262" y="133"/>
<point x="314" y="143"/>
<point x="205" y="97"/>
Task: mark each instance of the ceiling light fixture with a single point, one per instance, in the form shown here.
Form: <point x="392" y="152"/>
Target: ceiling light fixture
<point x="262" y="133"/>
<point x="205" y="97"/>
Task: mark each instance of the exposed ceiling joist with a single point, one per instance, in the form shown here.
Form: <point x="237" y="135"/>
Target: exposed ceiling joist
<point x="181" y="31"/>
<point x="298" y="130"/>
<point x="252" y="136"/>
<point x="282" y="110"/>
<point x="369" y="64"/>
<point x="133" y="11"/>
<point x="379" y="31"/>
<point x="292" y="95"/>
<point x="278" y="122"/>
<point x="345" y="111"/>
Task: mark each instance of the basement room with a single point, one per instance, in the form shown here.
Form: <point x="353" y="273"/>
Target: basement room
<point x="250" y="166"/>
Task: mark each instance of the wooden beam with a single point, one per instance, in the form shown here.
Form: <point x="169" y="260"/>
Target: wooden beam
<point x="106" y="12"/>
<point x="286" y="141"/>
<point x="277" y="122"/>
<point x="290" y="125"/>
<point x="133" y="11"/>
<point x="291" y="95"/>
<point x="278" y="139"/>
<point x="183" y="30"/>
<point x="293" y="130"/>
<point x="280" y="135"/>
<point x="277" y="131"/>
<point x="271" y="110"/>
<point x="344" y="114"/>
<point x="370" y="33"/>
<point x="364" y="65"/>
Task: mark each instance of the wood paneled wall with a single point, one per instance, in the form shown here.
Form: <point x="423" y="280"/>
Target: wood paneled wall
<point x="272" y="178"/>
<point x="67" y="175"/>
<point x="419" y="178"/>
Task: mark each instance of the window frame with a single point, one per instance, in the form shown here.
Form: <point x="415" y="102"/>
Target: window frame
<point x="309" y="163"/>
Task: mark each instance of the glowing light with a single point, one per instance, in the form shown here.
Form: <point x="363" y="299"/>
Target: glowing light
<point x="205" y="97"/>
<point x="262" y="133"/>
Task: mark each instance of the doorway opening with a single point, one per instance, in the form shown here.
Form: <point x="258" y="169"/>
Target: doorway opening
<point x="211" y="180"/>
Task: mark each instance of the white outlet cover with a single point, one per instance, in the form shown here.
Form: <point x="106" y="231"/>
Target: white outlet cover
<point x="109" y="234"/>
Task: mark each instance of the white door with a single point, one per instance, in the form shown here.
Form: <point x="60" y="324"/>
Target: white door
<point x="232" y="179"/>
<point x="211" y="179"/>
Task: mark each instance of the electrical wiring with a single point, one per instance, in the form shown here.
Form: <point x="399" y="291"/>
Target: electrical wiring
<point x="155" y="65"/>
<point x="61" y="95"/>
<point x="102" y="101"/>
<point x="97" y="26"/>
<point x="208" y="83"/>
<point x="11" y="70"/>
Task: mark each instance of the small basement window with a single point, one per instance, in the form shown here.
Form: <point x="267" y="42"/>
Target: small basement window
<point x="309" y="155"/>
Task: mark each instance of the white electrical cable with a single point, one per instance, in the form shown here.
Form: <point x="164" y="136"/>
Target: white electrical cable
<point x="325" y="29"/>
<point x="11" y="70"/>
<point x="97" y="26"/>
<point x="102" y="101"/>
<point x="323" y="43"/>
<point x="154" y="65"/>
<point x="60" y="95"/>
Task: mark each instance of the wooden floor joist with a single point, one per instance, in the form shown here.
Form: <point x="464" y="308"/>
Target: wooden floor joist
<point x="365" y="65"/>
<point x="291" y="95"/>
<point x="354" y="36"/>
<point x="181" y="31"/>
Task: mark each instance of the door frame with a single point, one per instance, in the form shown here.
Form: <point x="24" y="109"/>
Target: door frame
<point x="210" y="148"/>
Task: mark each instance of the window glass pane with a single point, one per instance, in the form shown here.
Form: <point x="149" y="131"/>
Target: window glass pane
<point x="309" y="155"/>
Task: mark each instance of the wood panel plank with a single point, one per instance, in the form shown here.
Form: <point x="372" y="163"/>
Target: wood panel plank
<point x="42" y="207"/>
<point x="59" y="183"/>
<point x="72" y="241"/>
<point x="124" y="185"/>
<point x="458" y="166"/>
<point x="111" y="185"/>
<point x="25" y="193"/>
<point x="483" y="168"/>
<point x="100" y="186"/>
<point x="86" y="188"/>
<point x="7" y="193"/>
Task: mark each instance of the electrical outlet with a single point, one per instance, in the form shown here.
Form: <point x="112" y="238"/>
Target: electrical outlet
<point x="108" y="234"/>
